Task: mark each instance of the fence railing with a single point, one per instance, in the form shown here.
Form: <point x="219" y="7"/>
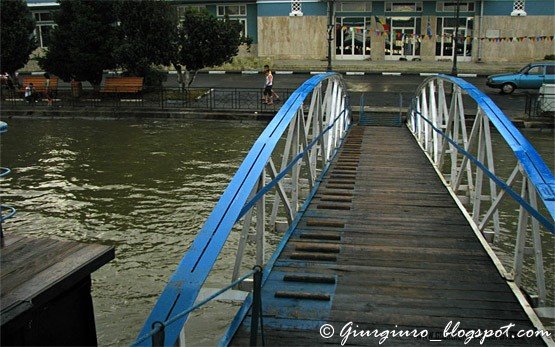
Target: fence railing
<point x="539" y="104"/>
<point x="465" y="159"/>
<point x="303" y="137"/>
<point x="212" y="99"/>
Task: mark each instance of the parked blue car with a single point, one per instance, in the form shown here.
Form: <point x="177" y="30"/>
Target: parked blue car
<point x="532" y="76"/>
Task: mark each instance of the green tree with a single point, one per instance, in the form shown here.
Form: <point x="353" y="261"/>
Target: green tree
<point x="147" y="32"/>
<point x="17" y="41"/>
<point x="204" y="41"/>
<point x="83" y="41"/>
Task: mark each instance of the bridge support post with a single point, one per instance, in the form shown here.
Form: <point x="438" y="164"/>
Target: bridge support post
<point x="256" y="313"/>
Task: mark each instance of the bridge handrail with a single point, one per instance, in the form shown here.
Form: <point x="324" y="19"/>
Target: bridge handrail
<point x="186" y="282"/>
<point x="437" y="120"/>
<point x="160" y="326"/>
<point x="532" y="163"/>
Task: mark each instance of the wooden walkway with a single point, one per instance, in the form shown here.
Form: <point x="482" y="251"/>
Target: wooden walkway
<point x="45" y="296"/>
<point x="383" y="245"/>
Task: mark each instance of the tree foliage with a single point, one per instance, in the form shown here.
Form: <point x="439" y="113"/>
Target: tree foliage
<point x="147" y="31"/>
<point x="203" y="41"/>
<point x="82" y="43"/>
<point x="17" y="41"/>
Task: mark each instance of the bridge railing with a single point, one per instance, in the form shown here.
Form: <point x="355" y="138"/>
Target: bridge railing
<point x="284" y="164"/>
<point x="440" y="119"/>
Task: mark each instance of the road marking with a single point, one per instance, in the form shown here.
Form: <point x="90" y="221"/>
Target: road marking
<point x="429" y="74"/>
<point x="467" y="75"/>
<point x="283" y="72"/>
<point x="391" y="73"/>
<point x="216" y="72"/>
<point x="351" y="73"/>
<point x="316" y="72"/>
<point x="249" y="72"/>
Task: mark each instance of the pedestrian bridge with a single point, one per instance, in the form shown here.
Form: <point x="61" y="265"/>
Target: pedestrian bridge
<point x="387" y="233"/>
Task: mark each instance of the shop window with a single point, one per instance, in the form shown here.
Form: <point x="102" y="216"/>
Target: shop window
<point x="355" y="7"/>
<point x="403" y="6"/>
<point x="464" y="6"/>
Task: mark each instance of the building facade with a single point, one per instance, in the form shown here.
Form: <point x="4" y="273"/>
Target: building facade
<point x="487" y="30"/>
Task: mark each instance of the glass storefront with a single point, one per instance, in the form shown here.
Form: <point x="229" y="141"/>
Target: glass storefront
<point x="401" y="28"/>
<point x="446" y="27"/>
<point x="403" y="38"/>
<point x="352" y="38"/>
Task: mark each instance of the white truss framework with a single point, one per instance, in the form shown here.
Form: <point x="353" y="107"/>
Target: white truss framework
<point x="465" y="159"/>
<point x="317" y="128"/>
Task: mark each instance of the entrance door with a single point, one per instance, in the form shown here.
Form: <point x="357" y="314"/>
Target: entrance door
<point x="402" y="40"/>
<point x="352" y="40"/>
<point x="446" y="40"/>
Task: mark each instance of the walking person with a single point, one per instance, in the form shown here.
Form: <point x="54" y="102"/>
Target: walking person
<point x="267" y="98"/>
<point x="47" y="89"/>
<point x="30" y="93"/>
<point x="275" y="97"/>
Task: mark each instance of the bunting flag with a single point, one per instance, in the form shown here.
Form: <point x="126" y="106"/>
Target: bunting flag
<point x="515" y="39"/>
<point x="382" y="23"/>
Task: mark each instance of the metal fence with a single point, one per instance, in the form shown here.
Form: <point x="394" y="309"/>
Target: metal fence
<point x="211" y="99"/>
<point x="539" y="105"/>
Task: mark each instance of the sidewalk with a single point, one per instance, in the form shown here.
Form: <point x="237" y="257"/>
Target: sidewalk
<point x="255" y="65"/>
<point x="376" y="67"/>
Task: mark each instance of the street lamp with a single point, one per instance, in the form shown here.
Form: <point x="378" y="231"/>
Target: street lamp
<point x="454" y="69"/>
<point x="330" y="31"/>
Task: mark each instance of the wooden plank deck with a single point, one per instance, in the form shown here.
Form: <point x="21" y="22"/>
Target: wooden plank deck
<point x="45" y="293"/>
<point x="383" y="245"/>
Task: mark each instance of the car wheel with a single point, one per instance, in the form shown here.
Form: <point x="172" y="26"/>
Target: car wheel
<point x="508" y="88"/>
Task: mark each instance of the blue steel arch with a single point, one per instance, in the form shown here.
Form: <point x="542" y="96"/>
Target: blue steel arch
<point x="532" y="163"/>
<point x="184" y="285"/>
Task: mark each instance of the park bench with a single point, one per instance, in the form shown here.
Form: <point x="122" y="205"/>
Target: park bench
<point x="122" y="85"/>
<point x="39" y="83"/>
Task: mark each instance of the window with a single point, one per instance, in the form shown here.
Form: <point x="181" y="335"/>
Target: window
<point x="464" y="6"/>
<point x="232" y="10"/>
<point x="403" y="6"/>
<point x="518" y="5"/>
<point x="181" y="9"/>
<point x="518" y="8"/>
<point x="43" y="16"/>
<point x="296" y="8"/>
<point x="355" y="7"/>
<point x="243" y="23"/>
<point x="536" y="70"/>
<point x="44" y="23"/>
<point x="550" y="69"/>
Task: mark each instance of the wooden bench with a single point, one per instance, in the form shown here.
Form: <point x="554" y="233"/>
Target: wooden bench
<point x="122" y="85"/>
<point x="39" y="83"/>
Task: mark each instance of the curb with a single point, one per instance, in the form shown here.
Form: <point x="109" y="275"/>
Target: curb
<point x="309" y="72"/>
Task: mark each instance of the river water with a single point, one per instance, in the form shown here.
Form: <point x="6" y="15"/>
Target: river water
<point x="145" y="187"/>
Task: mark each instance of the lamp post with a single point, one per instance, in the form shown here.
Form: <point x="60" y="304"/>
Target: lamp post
<point x="457" y="10"/>
<point x="330" y="31"/>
